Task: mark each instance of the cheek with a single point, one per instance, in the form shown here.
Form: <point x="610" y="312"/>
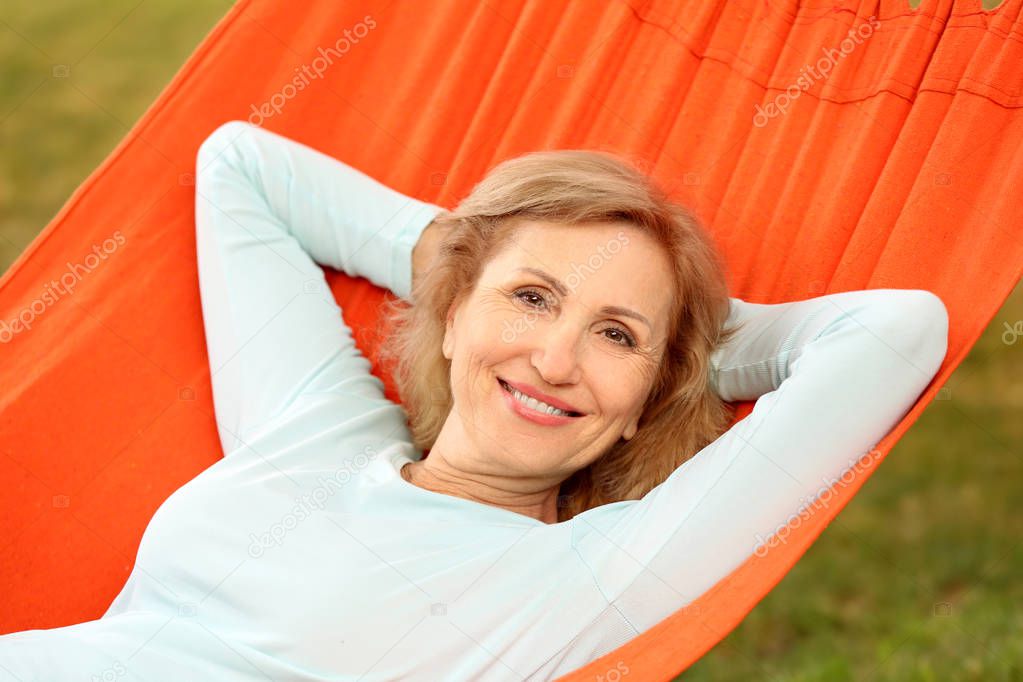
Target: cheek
<point x="622" y="387"/>
<point x="480" y="344"/>
<point x="495" y="329"/>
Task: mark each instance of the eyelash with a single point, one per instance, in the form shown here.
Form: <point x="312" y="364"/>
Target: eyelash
<point x="630" y="341"/>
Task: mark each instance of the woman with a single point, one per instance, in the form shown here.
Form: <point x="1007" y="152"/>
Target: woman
<point x="565" y="362"/>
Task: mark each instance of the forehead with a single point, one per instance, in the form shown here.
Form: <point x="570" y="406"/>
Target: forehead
<point x="600" y="264"/>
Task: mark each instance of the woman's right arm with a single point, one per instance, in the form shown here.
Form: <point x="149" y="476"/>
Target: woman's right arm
<point x="832" y="376"/>
<point x="426" y="249"/>
<point x="268" y="211"/>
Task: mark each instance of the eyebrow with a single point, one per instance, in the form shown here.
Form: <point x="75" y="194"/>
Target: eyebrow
<point x="606" y="310"/>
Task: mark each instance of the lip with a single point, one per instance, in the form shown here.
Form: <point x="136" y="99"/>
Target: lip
<point x="529" y="413"/>
<point x="533" y="392"/>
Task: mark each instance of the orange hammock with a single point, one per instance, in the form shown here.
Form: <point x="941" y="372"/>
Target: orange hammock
<point x="828" y="145"/>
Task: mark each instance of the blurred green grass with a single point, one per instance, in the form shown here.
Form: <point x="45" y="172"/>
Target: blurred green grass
<point x="938" y="524"/>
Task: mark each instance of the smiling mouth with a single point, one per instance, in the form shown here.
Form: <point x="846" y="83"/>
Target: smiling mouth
<point x="510" y="390"/>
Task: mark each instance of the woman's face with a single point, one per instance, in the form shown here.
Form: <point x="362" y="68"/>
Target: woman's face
<point x="586" y="328"/>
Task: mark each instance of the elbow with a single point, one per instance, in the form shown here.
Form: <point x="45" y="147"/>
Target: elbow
<point x="217" y="145"/>
<point x="925" y="314"/>
<point x="934" y="318"/>
<point x="220" y="159"/>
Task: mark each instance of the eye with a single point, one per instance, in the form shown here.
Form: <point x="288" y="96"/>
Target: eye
<point x="627" y="338"/>
<point x="523" y="294"/>
<point x="535" y="298"/>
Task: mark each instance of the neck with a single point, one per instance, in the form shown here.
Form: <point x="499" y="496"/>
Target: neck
<point x="434" y="473"/>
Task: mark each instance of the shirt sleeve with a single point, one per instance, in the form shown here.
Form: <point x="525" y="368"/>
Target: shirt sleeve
<point x="268" y="210"/>
<point x="831" y="377"/>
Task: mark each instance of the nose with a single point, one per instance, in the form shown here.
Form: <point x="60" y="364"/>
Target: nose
<point x="556" y="356"/>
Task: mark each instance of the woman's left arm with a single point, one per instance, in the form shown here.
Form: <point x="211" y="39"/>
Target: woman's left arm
<point x="831" y="376"/>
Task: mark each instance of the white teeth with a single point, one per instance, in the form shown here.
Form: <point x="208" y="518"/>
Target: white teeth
<point x="535" y="404"/>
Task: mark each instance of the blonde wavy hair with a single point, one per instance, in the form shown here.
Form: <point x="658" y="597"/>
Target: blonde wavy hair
<point x="682" y="414"/>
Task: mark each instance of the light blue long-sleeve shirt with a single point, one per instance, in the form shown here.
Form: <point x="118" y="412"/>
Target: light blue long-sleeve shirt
<point x="304" y="555"/>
